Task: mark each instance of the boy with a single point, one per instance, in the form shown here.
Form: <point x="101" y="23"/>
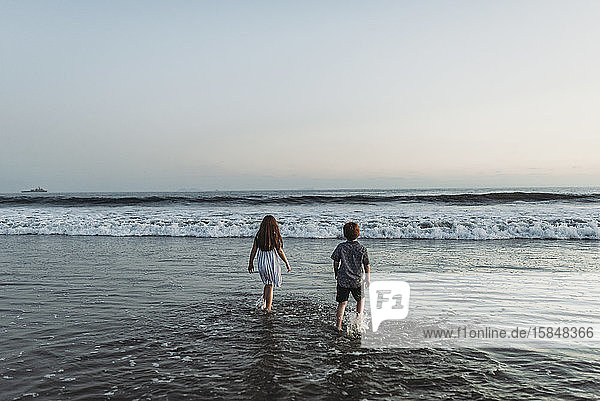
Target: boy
<point x="349" y="258"/>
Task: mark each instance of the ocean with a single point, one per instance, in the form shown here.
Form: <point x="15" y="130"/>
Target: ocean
<point x="147" y="295"/>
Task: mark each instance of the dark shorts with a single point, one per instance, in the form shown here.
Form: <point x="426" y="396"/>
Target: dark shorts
<point x="343" y="293"/>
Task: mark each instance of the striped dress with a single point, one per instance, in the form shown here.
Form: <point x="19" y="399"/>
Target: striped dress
<point x="268" y="267"/>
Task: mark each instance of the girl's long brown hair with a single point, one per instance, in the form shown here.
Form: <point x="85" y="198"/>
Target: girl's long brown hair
<point x="268" y="236"/>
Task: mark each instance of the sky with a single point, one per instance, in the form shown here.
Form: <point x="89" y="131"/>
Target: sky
<point x="204" y="95"/>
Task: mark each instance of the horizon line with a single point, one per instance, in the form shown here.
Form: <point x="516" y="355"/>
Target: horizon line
<point x="192" y="190"/>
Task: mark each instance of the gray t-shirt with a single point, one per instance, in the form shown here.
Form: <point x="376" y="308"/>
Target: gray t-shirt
<point x="352" y="257"/>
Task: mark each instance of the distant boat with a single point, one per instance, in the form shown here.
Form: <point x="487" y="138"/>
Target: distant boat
<point x="38" y="189"/>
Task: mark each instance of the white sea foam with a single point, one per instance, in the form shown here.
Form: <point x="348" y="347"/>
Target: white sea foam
<point x="410" y="222"/>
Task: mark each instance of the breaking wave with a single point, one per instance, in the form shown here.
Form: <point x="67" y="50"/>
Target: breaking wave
<point x="278" y="198"/>
<point x="449" y="228"/>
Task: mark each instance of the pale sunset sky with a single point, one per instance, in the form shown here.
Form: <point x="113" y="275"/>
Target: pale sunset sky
<point x="160" y="96"/>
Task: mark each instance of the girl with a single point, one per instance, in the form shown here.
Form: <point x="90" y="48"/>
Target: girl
<point x="267" y="245"/>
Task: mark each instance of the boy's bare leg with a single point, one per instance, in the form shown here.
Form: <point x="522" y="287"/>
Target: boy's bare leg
<point x="359" y="309"/>
<point x="340" y="314"/>
<point x="268" y="295"/>
<point x="359" y="306"/>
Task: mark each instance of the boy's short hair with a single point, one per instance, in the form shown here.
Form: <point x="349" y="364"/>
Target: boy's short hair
<point x="351" y="231"/>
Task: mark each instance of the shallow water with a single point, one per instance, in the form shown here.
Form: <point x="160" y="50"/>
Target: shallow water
<point x="159" y="317"/>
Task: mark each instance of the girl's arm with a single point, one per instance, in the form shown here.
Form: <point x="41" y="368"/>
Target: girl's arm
<point x="282" y="256"/>
<point x="252" y="255"/>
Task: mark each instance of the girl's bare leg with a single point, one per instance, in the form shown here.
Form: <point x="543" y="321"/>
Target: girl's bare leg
<point x="264" y="298"/>
<point x="268" y="295"/>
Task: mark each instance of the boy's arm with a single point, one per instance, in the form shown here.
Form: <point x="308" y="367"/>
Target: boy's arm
<point x="282" y="256"/>
<point x="252" y="255"/>
<point x="367" y="267"/>
<point x="336" y="267"/>
<point x="336" y="256"/>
